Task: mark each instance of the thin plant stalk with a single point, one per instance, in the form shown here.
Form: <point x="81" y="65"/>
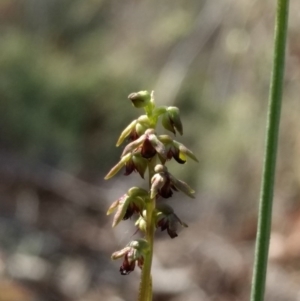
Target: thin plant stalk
<point x="267" y="186"/>
<point x="146" y="279"/>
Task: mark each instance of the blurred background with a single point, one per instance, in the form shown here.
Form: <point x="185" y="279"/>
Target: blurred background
<point x="66" y="69"/>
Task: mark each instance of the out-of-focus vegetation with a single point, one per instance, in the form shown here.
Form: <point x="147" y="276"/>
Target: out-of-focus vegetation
<point x="66" y="68"/>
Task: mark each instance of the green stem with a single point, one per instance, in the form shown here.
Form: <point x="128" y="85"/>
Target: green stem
<point x="267" y="186"/>
<point x="146" y="280"/>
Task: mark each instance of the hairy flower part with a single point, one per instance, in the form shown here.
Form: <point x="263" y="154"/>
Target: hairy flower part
<point x="166" y="219"/>
<point x="140" y="99"/>
<point x="131" y="202"/>
<point x="163" y="182"/>
<point x="171" y="120"/>
<point x="135" y="129"/>
<point x="133" y="254"/>
<point x="175" y="150"/>
<point x="148" y="145"/>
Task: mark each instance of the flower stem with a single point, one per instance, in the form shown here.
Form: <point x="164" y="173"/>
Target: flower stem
<point x="267" y="186"/>
<point x="146" y="280"/>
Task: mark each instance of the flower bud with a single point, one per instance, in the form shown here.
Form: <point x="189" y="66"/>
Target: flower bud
<point x="140" y="99"/>
<point x="171" y="120"/>
<point x="160" y="183"/>
<point x="141" y="222"/>
<point x="140" y="129"/>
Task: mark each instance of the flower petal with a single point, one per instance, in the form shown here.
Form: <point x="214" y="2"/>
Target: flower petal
<point x="148" y="151"/>
<point x="118" y="167"/>
<point x="129" y="167"/>
<point x="177" y="155"/>
<point x="140" y="99"/>
<point x="180" y="185"/>
<point x="127" y="206"/>
<point x="120" y="253"/>
<point x="121" y="211"/>
<point x="133" y="145"/>
<point x="159" y="147"/>
<point x="113" y="207"/>
<point x="137" y="192"/>
<point x="166" y="191"/>
<point x="126" y="132"/>
<point x="185" y="151"/>
<point x="172" y="232"/>
<point x="127" y="267"/>
<point x="140" y="164"/>
<point x="167" y="124"/>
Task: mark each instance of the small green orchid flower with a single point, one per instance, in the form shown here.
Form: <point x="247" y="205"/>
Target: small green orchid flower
<point x="131" y="202"/>
<point x="148" y="144"/>
<point x="134" y="253"/>
<point x="163" y="182"/>
<point x="176" y="150"/>
<point x="166" y="219"/>
<point x="132" y="162"/>
<point x="135" y="129"/>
